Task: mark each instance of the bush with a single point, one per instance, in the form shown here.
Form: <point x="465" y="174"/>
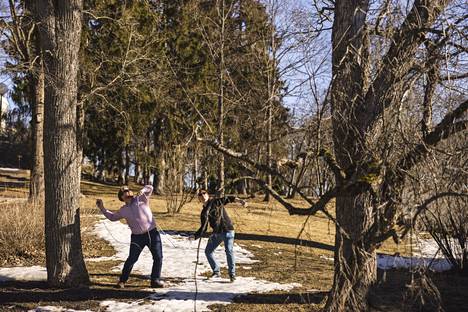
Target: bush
<point x="448" y="225"/>
<point x="21" y="234"/>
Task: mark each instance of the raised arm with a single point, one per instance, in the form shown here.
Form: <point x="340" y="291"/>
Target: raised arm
<point x="113" y="216"/>
<point x="145" y="193"/>
<point x="232" y="199"/>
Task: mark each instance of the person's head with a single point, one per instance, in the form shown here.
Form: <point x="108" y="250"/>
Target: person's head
<point x="125" y="194"/>
<point x="203" y="196"/>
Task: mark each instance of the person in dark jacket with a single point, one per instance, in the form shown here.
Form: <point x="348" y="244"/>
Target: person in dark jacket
<point x="216" y="215"/>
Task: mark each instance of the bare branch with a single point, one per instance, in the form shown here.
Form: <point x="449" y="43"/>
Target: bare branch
<point x="398" y="60"/>
<point x="331" y="161"/>
<point x="442" y="131"/>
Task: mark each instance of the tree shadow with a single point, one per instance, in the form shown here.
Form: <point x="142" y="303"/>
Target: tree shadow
<point x="399" y="290"/>
<point x="314" y="297"/>
<point x="7" y="184"/>
<point x="267" y="238"/>
<point x="31" y="292"/>
<point x="283" y="240"/>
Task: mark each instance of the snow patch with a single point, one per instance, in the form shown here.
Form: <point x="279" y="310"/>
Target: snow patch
<point x="181" y="297"/>
<point x="429" y="256"/>
<point x="180" y="257"/>
<point x="34" y="273"/>
<point x="179" y="252"/>
<point x="55" y="309"/>
<point x="387" y="262"/>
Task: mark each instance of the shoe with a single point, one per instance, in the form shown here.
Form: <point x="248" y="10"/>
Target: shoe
<point x="232" y="278"/>
<point x="215" y="275"/>
<point x="120" y="285"/>
<point x="157" y="283"/>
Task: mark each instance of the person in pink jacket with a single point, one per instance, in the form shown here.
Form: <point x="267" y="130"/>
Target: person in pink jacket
<point x="139" y="217"/>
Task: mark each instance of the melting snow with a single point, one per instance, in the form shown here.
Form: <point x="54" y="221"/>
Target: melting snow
<point x="180" y="256"/>
<point x="34" y="273"/>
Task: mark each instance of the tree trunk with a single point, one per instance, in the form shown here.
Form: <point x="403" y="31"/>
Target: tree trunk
<point x="60" y="30"/>
<point x="355" y="267"/>
<point x="146" y="174"/>
<point x="159" y="174"/>
<point x="36" y="184"/>
<point x="220" y="190"/>
<point x="195" y="168"/>
<point x="137" y="172"/>
<point x="80" y="120"/>
<point x="355" y="263"/>
<point x="121" y="168"/>
<point x="127" y="164"/>
<point x="269" y="151"/>
<point x="205" y="180"/>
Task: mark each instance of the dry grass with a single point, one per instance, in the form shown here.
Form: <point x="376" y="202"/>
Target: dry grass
<point x="21" y="234"/>
<point x="265" y="229"/>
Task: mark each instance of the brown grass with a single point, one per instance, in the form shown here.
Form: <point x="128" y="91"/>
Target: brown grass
<point x="21" y="234"/>
<point x="265" y="229"/>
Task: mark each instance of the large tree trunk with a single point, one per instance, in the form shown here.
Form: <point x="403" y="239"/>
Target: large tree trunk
<point x="355" y="268"/>
<point x="36" y="184"/>
<point x="355" y="262"/>
<point x="60" y="30"/>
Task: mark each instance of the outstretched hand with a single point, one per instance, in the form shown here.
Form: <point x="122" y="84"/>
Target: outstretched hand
<point x="243" y="203"/>
<point x="99" y="204"/>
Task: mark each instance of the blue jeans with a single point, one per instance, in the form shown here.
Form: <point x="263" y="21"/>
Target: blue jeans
<point x="213" y="243"/>
<point x="152" y="239"/>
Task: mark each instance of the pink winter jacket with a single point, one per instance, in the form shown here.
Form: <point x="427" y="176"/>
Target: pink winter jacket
<point x="137" y="213"/>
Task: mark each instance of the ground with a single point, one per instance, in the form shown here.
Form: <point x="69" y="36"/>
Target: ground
<point x="264" y="229"/>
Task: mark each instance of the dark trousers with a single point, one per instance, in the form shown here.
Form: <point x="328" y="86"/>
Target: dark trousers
<point x="152" y="239"/>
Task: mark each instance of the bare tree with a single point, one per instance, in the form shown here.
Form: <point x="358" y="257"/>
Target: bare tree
<point x="370" y="163"/>
<point x="23" y="43"/>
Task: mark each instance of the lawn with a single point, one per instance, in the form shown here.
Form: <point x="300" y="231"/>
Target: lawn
<point x="265" y="229"/>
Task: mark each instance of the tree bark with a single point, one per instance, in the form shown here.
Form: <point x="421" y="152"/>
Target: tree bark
<point x="36" y="184"/>
<point x="36" y="99"/>
<point x="195" y="167"/>
<point x="137" y="172"/>
<point x="60" y="31"/>
<point x="127" y="164"/>
<point x="220" y="191"/>
<point x="205" y="179"/>
<point x="355" y="261"/>
<point x="159" y="176"/>
<point x="355" y="267"/>
<point x="269" y="149"/>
